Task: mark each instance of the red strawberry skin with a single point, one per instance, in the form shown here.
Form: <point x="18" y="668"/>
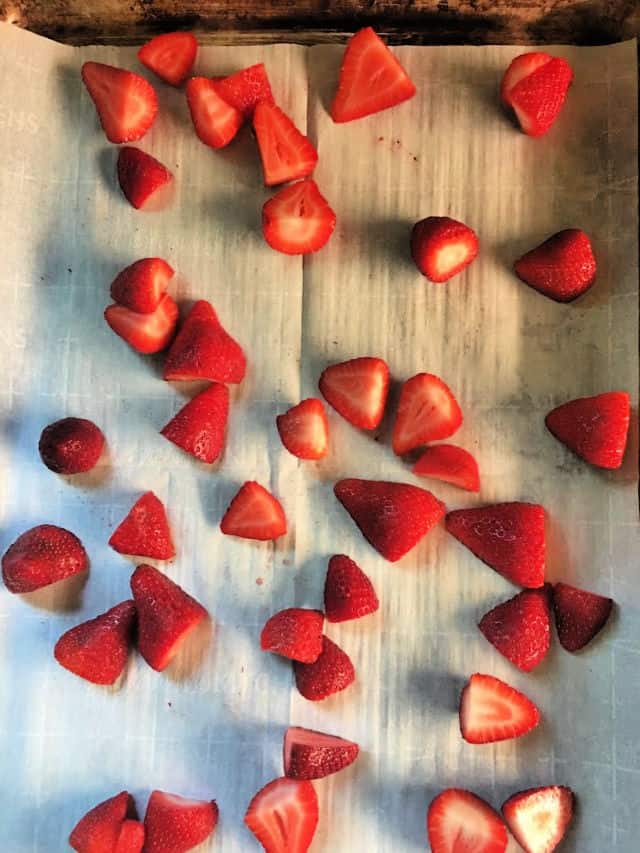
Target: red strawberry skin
<point x="442" y="247"/>
<point x="450" y="464"/>
<point x="254" y="513"/>
<point x="580" y="615"/>
<point x="538" y="97"/>
<point x="491" y="711"/>
<point x="71" y="446"/>
<point x="131" y="838"/>
<point x="520" y="628"/>
<point x="562" y="268"/>
<point x="199" y="427"/>
<point x="298" y="220"/>
<point x="294" y="633"/>
<point x="140" y="175"/>
<point x="215" y="121"/>
<point x="127" y="104"/>
<point x="174" y="824"/>
<point x="460" y="822"/>
<point x="170" y="56"/>
<point x="41" y="556"/>
<point x="348" y="592"/>
<point x="246" y="88"/>
<point x="309" y="754"/>
<point x="283" y="816"/>
<point x="140" y="286"/>
<point x="286" y="153"/>
<point x="595" y="428"/>
<point x="329" y="674"/>
<point x="357" y="389"/>
<point x="145" y="333"/>
<point x="539" y="817"/>
<point x="304" y="429"/>
<point x="98" y="830"/>
<point x="145" y="530"/>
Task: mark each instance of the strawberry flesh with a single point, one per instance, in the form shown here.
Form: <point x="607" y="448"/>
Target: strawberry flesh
<point x="170" y="56"/>
<point x="285" y="152"/>
<point x="126" y="103"/>
<point x="297" y="219"/>
<point x="254" y="513"/>
<point x="329" y="674"/>
<point x="294" y="633"/>
<point x="580" y="615"/>
<point x="539" y="817"/>
<point x="140" y="286"/>
<point x="215" y="121"/>
<point x="491" y="711"/>
<point x="460" y="822"/>
<point x="536" y="91"/>
<point x="450" y="464"/>
<point x="427" y="411"/>
<point x="71" y="446"/>
<point x="304" y="429"/>
<point x="145" y="530"/>
<point x="145" y="333"/>
<point x="442" y="247"/>
<point x="41" y="556"/>
<point x="520" y="628"/>
<point x="140" y="175"/>
<point x="245" y="89"/>
<point x="348" y="592"/>
<point x="283" y="815"/>
<point x="595" y="428"/>
<point x="131" y="838"/>
<point x="522" y="66"/>
<point x="357" y="389"/>
<point x="309" y="754"/>
<point x="99" y="829"/>
<point x="174" y="824"/>
<point x="562" y="268"/>
<point x="199" y="427"/>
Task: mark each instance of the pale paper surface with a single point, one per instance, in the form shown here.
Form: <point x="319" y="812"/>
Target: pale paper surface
<point x="508" y="353"/>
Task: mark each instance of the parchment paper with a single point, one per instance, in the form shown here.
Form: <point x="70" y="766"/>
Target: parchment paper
<point x="508" y="353"/>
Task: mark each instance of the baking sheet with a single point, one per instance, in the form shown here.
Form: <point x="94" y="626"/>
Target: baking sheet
<point x="508" y="353"/>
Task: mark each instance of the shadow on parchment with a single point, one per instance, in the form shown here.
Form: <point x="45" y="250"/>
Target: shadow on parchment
<point x="65" y="596"/>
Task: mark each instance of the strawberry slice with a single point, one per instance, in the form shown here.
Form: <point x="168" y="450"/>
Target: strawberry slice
<point x="427" y="411"/>
<point x="216" y="122"/>
<point x="535" y="86"/>
<point x="145" y="333"/>
<point x="580" y="615"/>
<point x="174" y="824"/>
<point x="145" y="530"/>
<point x="283" y="816"/>
<point x="522" y="66"/>
<point x="595" y="428"/>
<point x="329" y="674"/>
<point x="140" y="286"/>
<point x="126" y="103"/>
<point x="140" y="175"/>
<point x="131" y="838"/>
<point x="460" y="822"/>
<point x="520" y="628"/>
<point x="562" y="268"/>
<point x="539" y="817"/>
<point x="41" y="556"/>
<point x="98" y="830"/>
<point x="199" y="427"/>
<point x="254" y="513"/>
<point x="357" y="389"/>
<point x="97" y="650"/>
<point x="170" y="56"/>
<point x="442" y="247"/>
<point x="304" y="429"/>
<point x="371" y="79"/>
<point x="71" y="446"/>
<point x="348" y="592"/>
<point x="309" y="754"/>
<point x="294" y="633"/>
<point x="509" y="537"/>
<point x="491" y="710"/>
<point x="286" y="153"/>
<point x="166" y="614"/>
<point x="450" y="464"/>
<point x="298" y="219"/>
<point x="245" y="89"/>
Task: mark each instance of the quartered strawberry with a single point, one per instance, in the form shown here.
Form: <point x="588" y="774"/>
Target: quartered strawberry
<point x="203" y="349"/>
<point x="254" y="513"/>
<point x="371" y="79"/>
<point x="131" y="837"/>
<point x="509" y="537"/>
<point x="393" y="517"/>
<point x="71" y="446"/>
<point x="170" y="56"/>
<point x="245" y="89"/>
<point x="520" y="628"/>
<point x="580" y="615"/>
<point x="145" y="333"/>
<point x="313" y="755"/>
<point x="539" y="817"/>
<point x="594" y="427"/>
<point x="140" y="286"/>
<point x="450" y="464"/>
<point x="294" y="633"/>
<point x="174" y="824"/>
<point x="535" y="86"/>
<point x="126" y="103"/>
<point x="442" y="247"/>
<point x="460" y="822"/>
<point x="283" y="816"/>
<point x="199" y="427"/>
<point x="216" y="122"/>
<point x="41" y="556"/>
<point x="562" y="268"/>
<point x="427" y="411"/>
<point x="297" y="219"/>
<point x="357" y="389"/>
<point x="329" y="674"/>
<point x="140" y="175"/>
<point x="145" y="530"/>
<point x="166" y="614"/>
<point x="491" y="710"/>
<point x="99" y="829"/>
<point x="348" y="592"/>
<point x="304" y="429"/>
<point x="286" y="153"/>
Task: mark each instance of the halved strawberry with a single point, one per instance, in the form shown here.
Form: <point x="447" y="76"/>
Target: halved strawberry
<point x="145" y="530"/>
<point x="71" y="446"/>
<point x="371" y="79"/>
<point x="348" y="592"/>
<point x="199" y="427"/>
<point x="286" y="153"/>
<point x="520" y="628"/>
<point x="539" y="817"/>
<point x="491" y="710"/>
<point x="562" y="268"/>
<point x="450" y="464"/>
<point x="145" y="333"/>
<point x="460" y="822"/>
<point x="357" y="389"/>
<point x="522" y="66"/>
<point x="140" y="175"/>
<point x="535" y="86"/>
<point x="580" y="615"/>
<point x="330" y="673"/>
<point x="427" y="411"/>
<point x="595" y="428"/>
<point x="246" y="88"/>
<point x="216" y="122"/>
<point x="309" y="754"/>
<point x="304" y="429"/>
<point x="41" y="556"/>
<point x="254" y="513"/>
<point x="126" y="103"/>
<point x="294" y="633"/>
<point x="283" y="815"/>
<point x="140" y="286"/>
<point x="174" y="824"/>
<point x="170" y="56"/>
<point x="131" y="838"/>
<point x="99" y="829"/>
<point x="442" y="247"/>
<point x="298" y="219"/>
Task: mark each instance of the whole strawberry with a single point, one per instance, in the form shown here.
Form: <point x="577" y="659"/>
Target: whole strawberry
<point x="71" y="445"/>
<point x="43" y="555"/>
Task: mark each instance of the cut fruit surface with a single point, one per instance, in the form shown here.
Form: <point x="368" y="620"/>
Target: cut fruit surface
<point x="297" y="219"/>
<point x="283" y="815"/>
<point x="442" y="247"/>
<point x="126" y="103"/>
<point x="460" y="822"/>
<point x="491" y="710"/>
<point x="170" y="56"/>
<point x="357" y="389"/>
<point x="215" y="121"/>
<point x="254" y="513"/>
<point x="304" y="429"/>
<point x="427" y="411"/>
<point x="539" y="817"/>
<point x="285" y="152"/>
<point x="450" y="464"/>
<point x="145" y="333"/>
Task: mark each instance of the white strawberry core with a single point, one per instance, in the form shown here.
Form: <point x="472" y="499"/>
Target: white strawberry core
<point x="451" y="256"/>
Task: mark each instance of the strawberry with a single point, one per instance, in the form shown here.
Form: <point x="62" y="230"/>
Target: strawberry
<point x="71" y="446"/>
<point x="562" y="268"/>
<point x="357" y="389"/>
<point x="283" y="816"/>
<point x="166" y="614"/>
<point x="286" y="153"/>
<point x="97" y="650"/>
<point x="140" y="286"/>
<point x="246" y="88"/>
<point x="145" y="530"/>
<point x="254" y="513"/>
<point x="520" y="628"/>
<point x="98" y="830"/>
<point x="297" y="219"/>
<point x="427" y="411"/>
<point x="170" y="56"/>
<point x="304" y="429"/>
<point x="491" y="710"/>
<point x="348" y="592"/>
<point x="216" y="122"/>
<point x="140" y="175"/>
<point x="442" y="247"/>
<point x="393" y="517"/>
<point x="329" y="674"/>
<point x="204" y="350"/>
<point x="594" y="427"/>
<point x="450" y="464"/>
<point x="131" y="838"/>
<point x="145" y="333"/>
<point x="371" y="79"/>
<point x="535" y="86"/>
<point x="294" y="633"/>
<point x="313" y="755"/>
<point x="460" y="822"/>
<point x="199" y="427"/>
<point x="41" y="556"/>
<point x="509" y="537"/>
<point x="539" y="817"/>
<point x="173" y="824"/>
<point x="580" y="615"/>
<point x="126" y="103"/>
